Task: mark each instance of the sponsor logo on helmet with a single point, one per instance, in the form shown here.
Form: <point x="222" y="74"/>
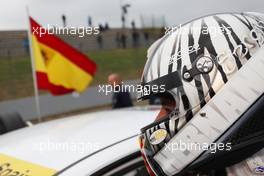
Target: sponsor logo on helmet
<point x="204" y="64"/>
<point x="259" y="170"/>
<point x="158" y="136"/>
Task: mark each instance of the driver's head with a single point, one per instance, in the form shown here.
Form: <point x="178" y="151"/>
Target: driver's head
<point x="190" y="65"/>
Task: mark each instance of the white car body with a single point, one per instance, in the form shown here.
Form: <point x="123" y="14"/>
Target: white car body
<point x="60" y="143"/>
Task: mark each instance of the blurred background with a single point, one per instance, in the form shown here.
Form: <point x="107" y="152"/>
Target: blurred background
<point x="127" y="29"/>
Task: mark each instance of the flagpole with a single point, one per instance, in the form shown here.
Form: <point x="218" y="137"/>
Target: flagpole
<point x="33" y="69"/>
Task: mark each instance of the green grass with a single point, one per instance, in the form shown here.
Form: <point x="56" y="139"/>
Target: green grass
<point x="16" y="77"/>
<point x="128" y="63"/>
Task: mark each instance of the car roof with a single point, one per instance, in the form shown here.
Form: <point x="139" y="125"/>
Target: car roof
<point x="59" y="143"/>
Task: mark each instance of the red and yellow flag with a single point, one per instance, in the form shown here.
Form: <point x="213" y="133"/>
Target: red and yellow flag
<point x="59" y="67"/>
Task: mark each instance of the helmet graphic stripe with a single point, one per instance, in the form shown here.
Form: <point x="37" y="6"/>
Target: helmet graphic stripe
<point x="228" y="30"/>
<point x="244" y="21"/>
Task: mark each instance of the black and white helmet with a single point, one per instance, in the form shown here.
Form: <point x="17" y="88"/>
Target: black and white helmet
<point x="213" y="67"/>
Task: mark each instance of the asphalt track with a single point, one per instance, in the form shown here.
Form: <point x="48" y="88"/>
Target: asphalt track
<point x="51" y="105"/>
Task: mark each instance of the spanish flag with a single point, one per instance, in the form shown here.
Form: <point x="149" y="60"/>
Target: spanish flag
<point x="59" y="67"/>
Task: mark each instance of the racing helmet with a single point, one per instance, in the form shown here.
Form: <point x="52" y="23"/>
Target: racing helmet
<point x="213" y="69"/>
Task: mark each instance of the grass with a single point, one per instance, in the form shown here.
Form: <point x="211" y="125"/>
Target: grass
<point x="128" y="63"/>
<point x="16" y="77"/>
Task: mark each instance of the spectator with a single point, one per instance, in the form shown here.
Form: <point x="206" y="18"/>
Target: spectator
<point x="133" y="25"/>
<point x="135" y="38"/>
<point x="90" y="21"/>
<point x="100" y="41"/>
<point x="146" y="37"/>
<point x="26" y="45"/>
<point x="63" y="17"/>
<point x="118" y="40"/>
<point x="101" y="28"/>
<point x="123" y="40"/>
<point x="121" y="98"/>
<point x="106" y="26"/>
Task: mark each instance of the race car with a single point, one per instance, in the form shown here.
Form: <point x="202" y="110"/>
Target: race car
<point x="99" y="143"/>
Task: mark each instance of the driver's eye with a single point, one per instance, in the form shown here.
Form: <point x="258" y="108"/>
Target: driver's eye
<point x="164" y="111"/>
<point x="168" y="105"/>
<point x="168" y="109"/>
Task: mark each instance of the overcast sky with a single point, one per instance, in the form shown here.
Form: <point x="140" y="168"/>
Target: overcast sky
<point x="13" y="12"/>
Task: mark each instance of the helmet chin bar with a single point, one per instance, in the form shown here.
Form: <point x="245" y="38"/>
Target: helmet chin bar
<point x="215" y="120"/>
<point x="246" y="136"/>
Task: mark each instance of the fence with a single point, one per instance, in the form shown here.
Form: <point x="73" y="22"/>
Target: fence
<point x="15" y="43"/>
<point x="16" y="84"/>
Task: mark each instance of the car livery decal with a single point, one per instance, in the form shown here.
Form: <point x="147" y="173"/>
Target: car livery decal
<point x="10" y="166"/>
